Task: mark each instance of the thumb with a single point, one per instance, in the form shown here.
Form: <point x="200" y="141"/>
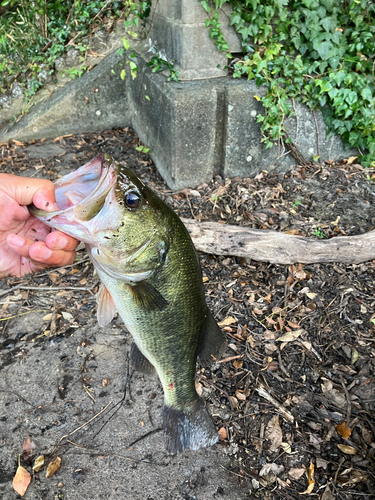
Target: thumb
<point x="26" y="190"/>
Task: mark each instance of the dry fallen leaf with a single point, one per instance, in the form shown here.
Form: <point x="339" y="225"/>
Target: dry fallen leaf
<point x="238" y="363"/>
<point x="240" y="395"/>
<point x="327" y="495"/>
<point x="343" y="430"/>
<point x="234" y="402"/>
<point x="38" y="464"/>
<point x="69" y="317"/>
<point x="295" y="473"/>
<point x="290" y="336"/>
<point x="349" y="450"/>
<point x="227" y="321"/>
<point x="48" y="317"/>
<point x="199" y="388"/>
<point x="311" y="481"/>
<point x="222" y="433"/>
<point x="274" y="433"/>
<point x="53" y="467"/>
<point x="21" y="480"/>
<point x="286" y="447"/>
<point x="28" y="448"/>
<point x="271" y="469"/>
<point x="351" y="159"/>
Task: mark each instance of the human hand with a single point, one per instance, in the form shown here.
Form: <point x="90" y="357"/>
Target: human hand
<point x="27" y="245"/>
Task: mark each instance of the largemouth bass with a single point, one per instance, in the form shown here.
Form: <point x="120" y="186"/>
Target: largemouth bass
<point x="151" y="275"/>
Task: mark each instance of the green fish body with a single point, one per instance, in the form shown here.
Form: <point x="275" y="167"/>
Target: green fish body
<point x="151" y="275"/>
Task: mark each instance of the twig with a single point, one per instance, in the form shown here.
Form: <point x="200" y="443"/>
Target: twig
<point x="48" y="289"/>
<point x="118" y="405"/>
<point x="81" y="426"/>
<point x="285" y="413"/>
<point x="348" y="402"/>
<point x="261" y="437"/>
<point x="231" y="358"/>
<point x="191" y="208"/>
<point x="282" y="367"/>
<point x="154" y="431"/>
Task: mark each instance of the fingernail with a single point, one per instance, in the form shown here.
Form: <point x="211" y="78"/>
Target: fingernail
<point x="60" y="242"/>
<point x="17" y="241"/>
<point x="44" y="253"/>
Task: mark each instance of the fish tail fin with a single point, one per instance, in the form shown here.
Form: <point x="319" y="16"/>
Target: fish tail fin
<point x="192" y="428"/>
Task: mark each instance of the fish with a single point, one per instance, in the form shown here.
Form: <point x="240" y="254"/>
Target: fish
<point x="150" y="274"/>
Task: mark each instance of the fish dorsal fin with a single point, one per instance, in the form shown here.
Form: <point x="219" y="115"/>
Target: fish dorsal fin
<point x="212" y="341"/>
<point x="139" y="362"/>
<point x="106" y="307"/>
<point x="147" y="297"/>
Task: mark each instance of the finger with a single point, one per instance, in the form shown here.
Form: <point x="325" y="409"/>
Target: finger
<point x="60" y="241"/>
<point x="39" y="252"/>
<point x="24" y="189"/>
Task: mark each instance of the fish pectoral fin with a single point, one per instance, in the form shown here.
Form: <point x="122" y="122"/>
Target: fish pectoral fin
<point x="212" y="340"/>
<point x="147" y="297"/>
<point x="106" y="307"/>
<point x="139" y="362"/>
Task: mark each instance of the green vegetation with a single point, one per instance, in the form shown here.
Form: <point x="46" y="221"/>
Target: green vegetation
<point x="319" y="233"/>
<point x="320" y="52"/>
<point x="33" y="34"/>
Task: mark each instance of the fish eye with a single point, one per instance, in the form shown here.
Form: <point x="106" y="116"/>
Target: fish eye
<point x="132" y="200"/>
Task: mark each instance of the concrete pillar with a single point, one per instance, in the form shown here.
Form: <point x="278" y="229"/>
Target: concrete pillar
<point x="178" y="28"/>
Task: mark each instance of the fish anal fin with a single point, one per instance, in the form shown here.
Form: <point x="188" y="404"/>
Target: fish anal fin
<point x="139" y="362"/>
<point x="147" y="297"/>
<point x="191" y="428"/>
<point x="106" y="307"/>
<point x="212" y="340"/>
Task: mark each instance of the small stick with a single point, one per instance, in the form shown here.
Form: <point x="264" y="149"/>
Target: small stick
<point x="231" y="358"/>
<point x="261" y="437"/>
<point x="285" y="413"/>
<point x="81" y="426"/>
<point x="348" y="402"/>
<point x="282" y="367"/>
<point x="46" y="288"/>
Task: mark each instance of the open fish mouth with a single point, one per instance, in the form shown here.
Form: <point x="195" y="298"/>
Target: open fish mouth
<point x="81" y="195"/>
<point x="83" y="191"/>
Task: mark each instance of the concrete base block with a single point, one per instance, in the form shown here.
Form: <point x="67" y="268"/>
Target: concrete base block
<point x="96" y="101"/>
<point x="198" y="129"/>
<point x="195" y="129"/>
<point x="178" y="122"/>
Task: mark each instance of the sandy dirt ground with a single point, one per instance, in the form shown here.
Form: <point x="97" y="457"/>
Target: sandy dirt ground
<point x="304" y="334"/>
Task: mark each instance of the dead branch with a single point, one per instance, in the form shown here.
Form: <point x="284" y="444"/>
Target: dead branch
<point x="276" y="247"/>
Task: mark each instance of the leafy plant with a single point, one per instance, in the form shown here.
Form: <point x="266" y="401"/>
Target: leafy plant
<point x="321" y="52"/>
<point x="33" y="34"/>
<point x="142" y="148"/>
<point x="319" y="233"/>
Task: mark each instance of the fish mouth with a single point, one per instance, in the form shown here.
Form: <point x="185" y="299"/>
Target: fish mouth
<point x="82" y="193"/>
<point x="80" y="196"/>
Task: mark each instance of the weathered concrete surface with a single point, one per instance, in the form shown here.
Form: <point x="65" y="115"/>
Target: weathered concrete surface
<point x="96" y="101"/>
<point x="101" y="44"/>
<point x="195" y="129"/>
<point x="179" y="30"/>
<point x="198" y="129"/>
<point x="42" y="396"/>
